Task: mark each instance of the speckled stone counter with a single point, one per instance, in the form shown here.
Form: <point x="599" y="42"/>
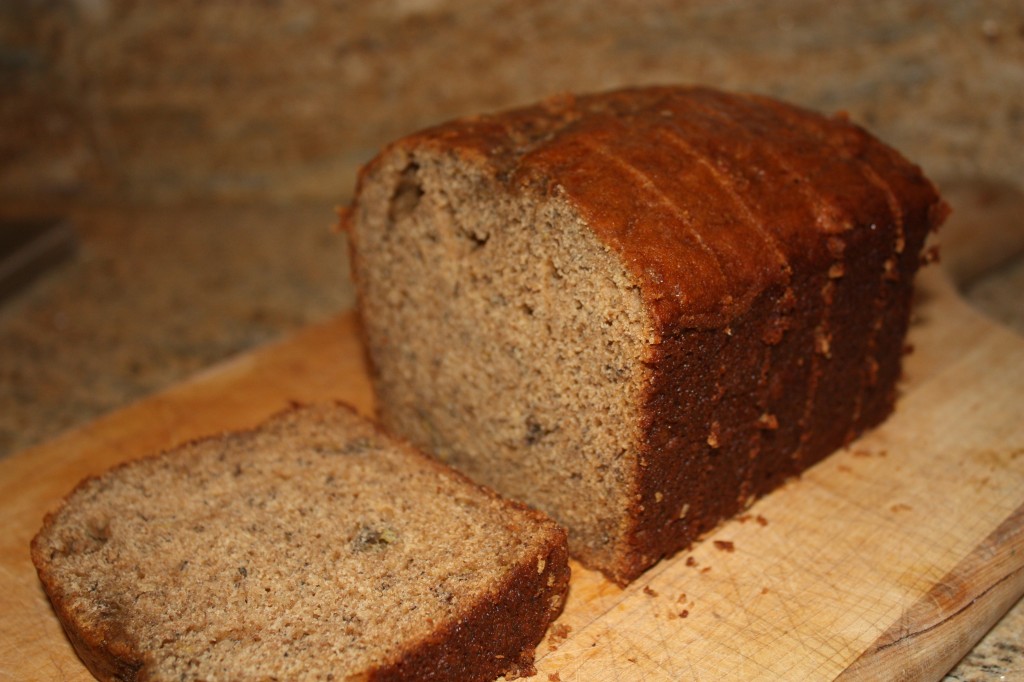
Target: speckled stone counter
<point x="155" y="295"/>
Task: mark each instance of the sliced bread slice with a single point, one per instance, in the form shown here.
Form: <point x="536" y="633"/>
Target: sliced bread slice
<point x="310" y="548"/>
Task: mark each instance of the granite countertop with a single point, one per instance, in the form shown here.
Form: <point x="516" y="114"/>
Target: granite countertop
<point x="154" y="295"/>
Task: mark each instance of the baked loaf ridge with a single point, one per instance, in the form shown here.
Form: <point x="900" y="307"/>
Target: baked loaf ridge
<point x="637" y="310"/>
<point x="310" y="548"/>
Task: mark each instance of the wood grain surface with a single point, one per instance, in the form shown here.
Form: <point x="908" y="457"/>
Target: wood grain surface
<point x="888" y="560"/>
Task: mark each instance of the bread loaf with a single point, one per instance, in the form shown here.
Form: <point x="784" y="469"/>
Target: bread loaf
<point x="310" y="548"/>
<point x="637" y="310"/>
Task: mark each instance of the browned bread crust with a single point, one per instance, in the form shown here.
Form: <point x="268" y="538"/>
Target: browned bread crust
<point x="773" y="251"/>
<point x="97" y="572"/>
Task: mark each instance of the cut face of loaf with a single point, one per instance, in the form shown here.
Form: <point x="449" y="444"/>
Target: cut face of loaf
<point x="311" y="548"/>
<point x="638" y="310"/>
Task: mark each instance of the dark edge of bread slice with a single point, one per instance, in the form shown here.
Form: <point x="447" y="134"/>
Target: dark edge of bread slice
<point x="466" y="650"/>
<point x="484" y="644"/>
<point x="108" y="652"/>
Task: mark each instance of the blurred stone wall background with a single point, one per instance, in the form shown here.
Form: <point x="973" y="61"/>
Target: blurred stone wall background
<point x="158" y="101"/>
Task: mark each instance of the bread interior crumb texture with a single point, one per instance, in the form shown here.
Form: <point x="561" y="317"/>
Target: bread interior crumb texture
<point x="521" y="357"/>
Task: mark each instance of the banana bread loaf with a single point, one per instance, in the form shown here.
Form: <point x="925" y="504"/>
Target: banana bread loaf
<point x="637" y="310"/>
<point x="310" y="548"/>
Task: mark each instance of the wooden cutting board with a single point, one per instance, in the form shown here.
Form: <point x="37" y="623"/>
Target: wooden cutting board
<point x="889" y="560"/>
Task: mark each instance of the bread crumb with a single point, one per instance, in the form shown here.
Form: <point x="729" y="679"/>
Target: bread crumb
<point x="559" y="633"/>
<point x="725" y="545"/>
<point x="713" y="440"/>
<point x="822" y="343"/>
<point x="690" y="561"/>
<point x="761" y="521"/>
<point x="649" y="592"/>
